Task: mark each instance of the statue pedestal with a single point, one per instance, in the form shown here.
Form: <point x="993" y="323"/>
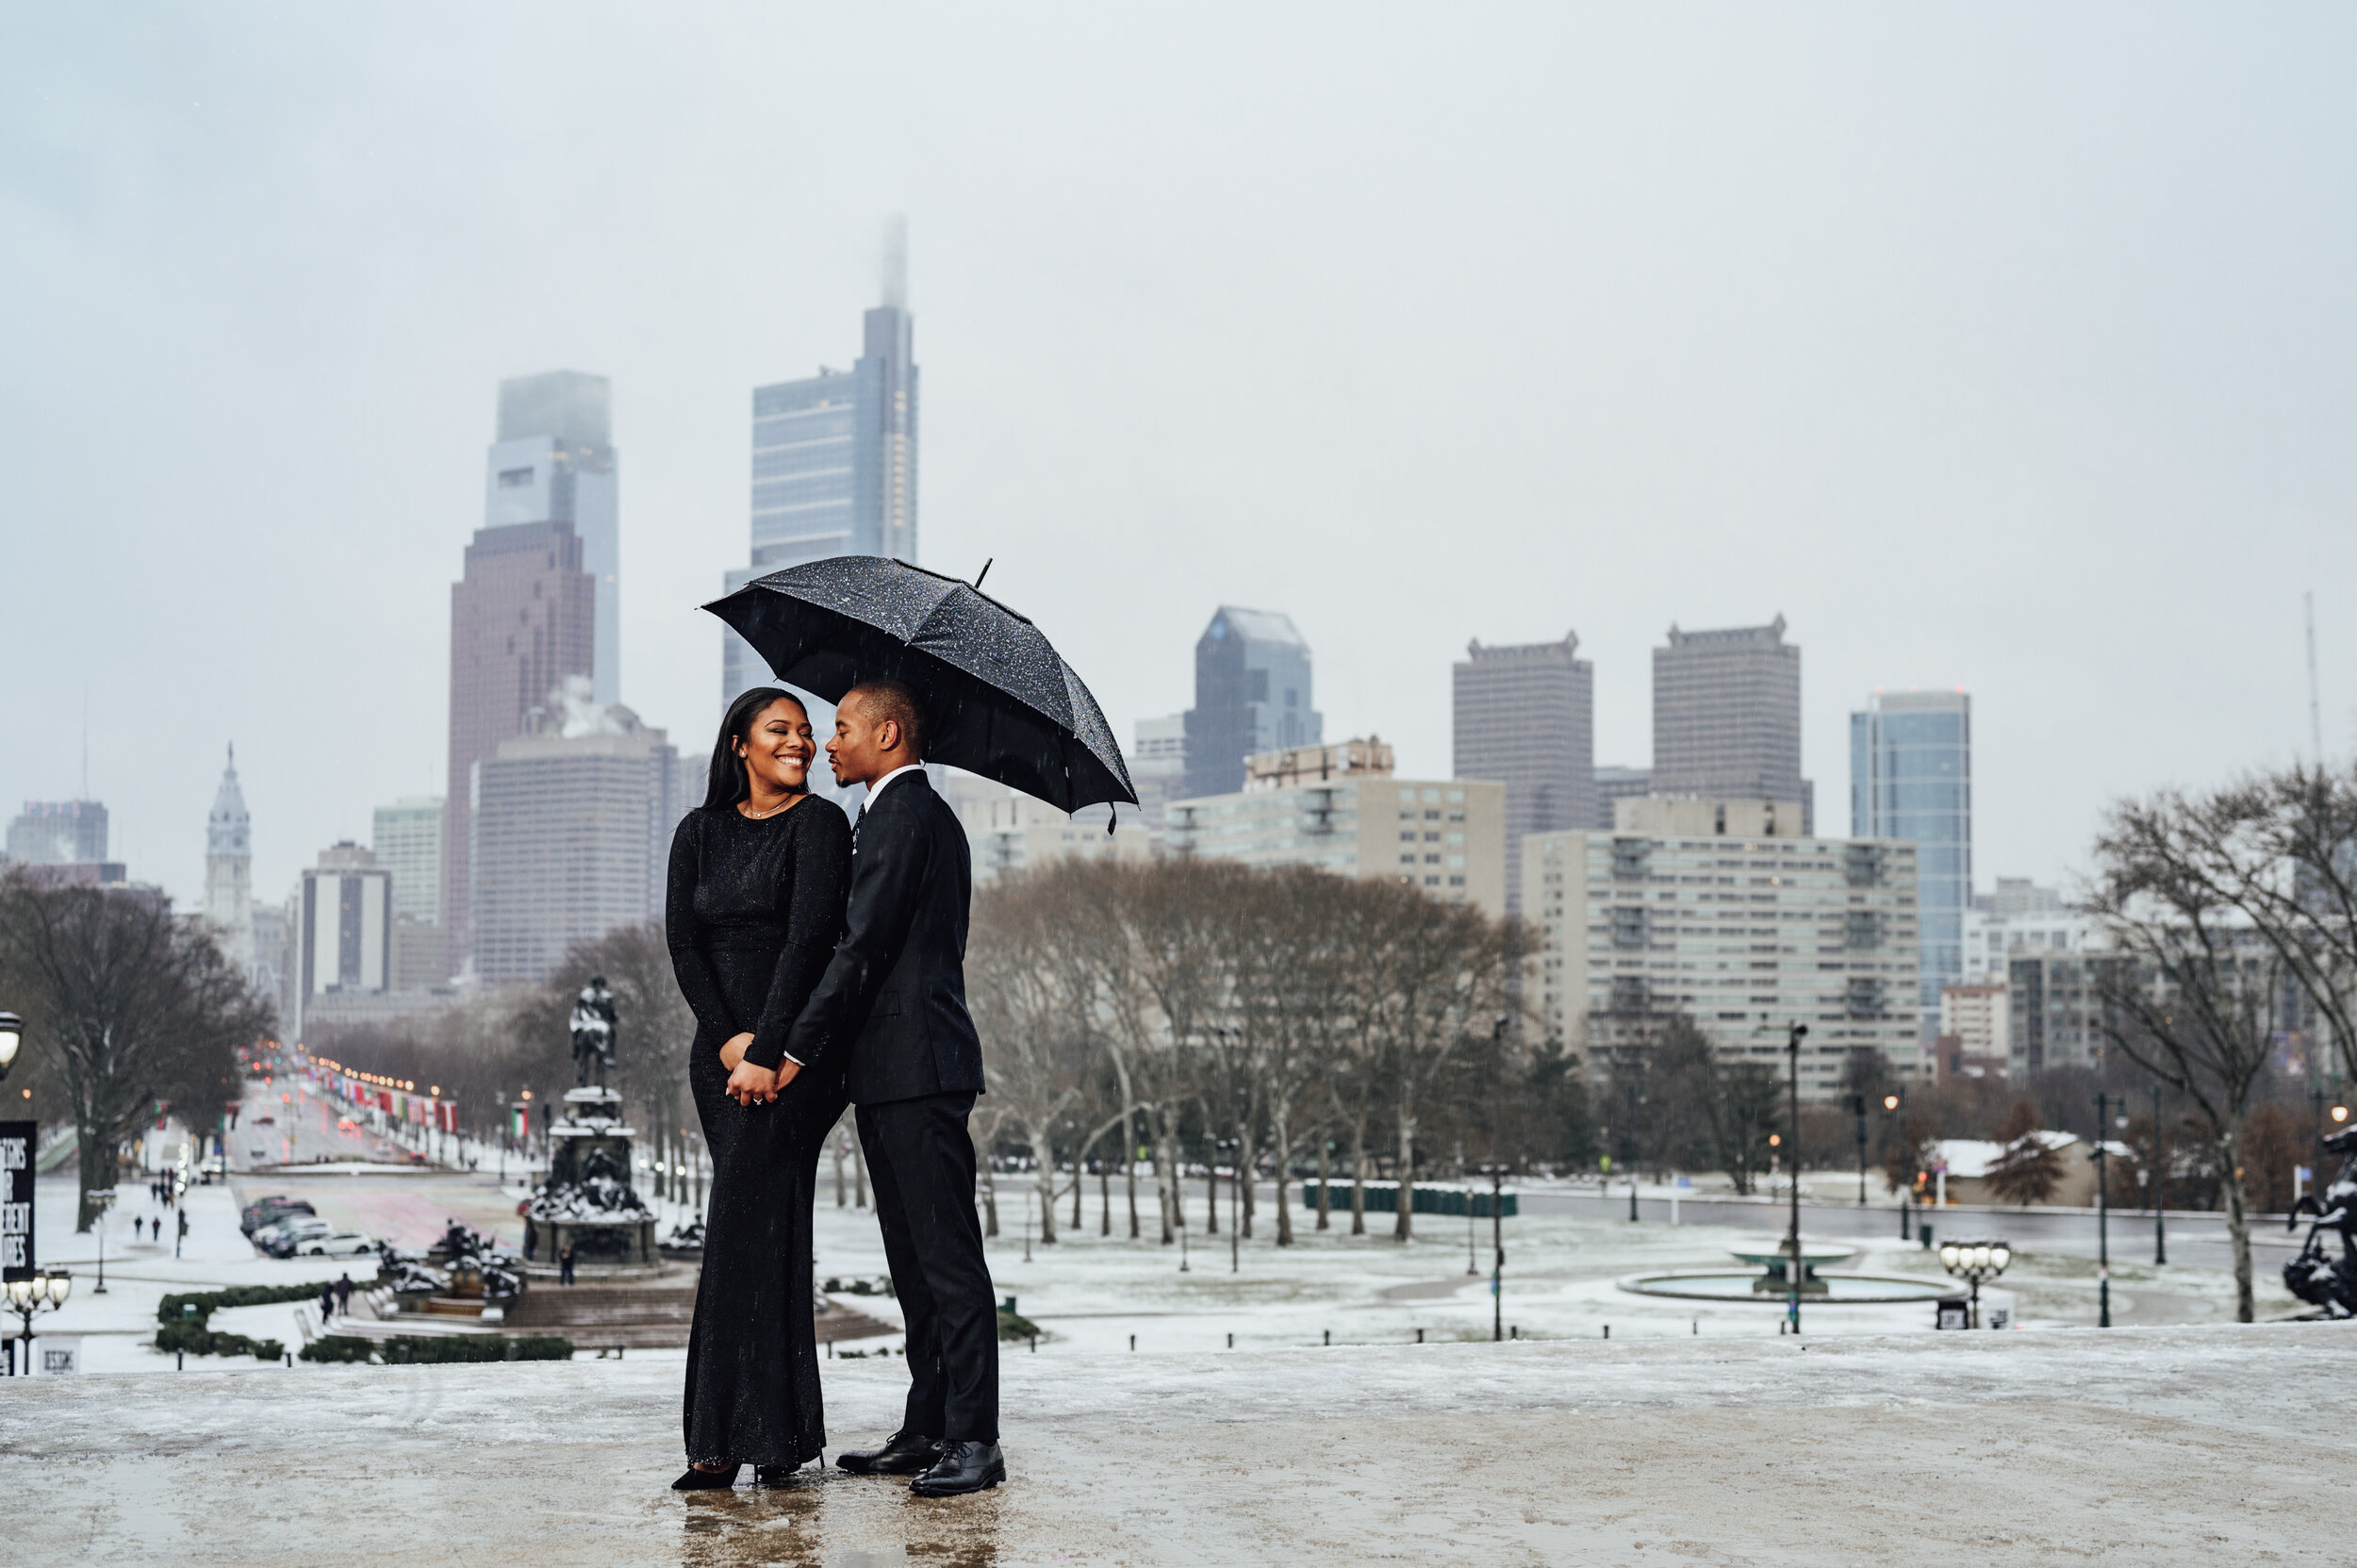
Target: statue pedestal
<point x="587" y="1201"/>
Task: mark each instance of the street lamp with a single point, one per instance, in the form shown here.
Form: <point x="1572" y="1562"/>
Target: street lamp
<point x="1235" y="1199"/>
<point x="1792" y="1237"/>
<point x="2160" y="1184"/>
<point x="1893" y="1103"/>
<point x="1973" y="1261"/>
<point x="42" y="1291"/>
<point x="102" y="1198"/>
<point x="1496" y="1174"/>
<point x="11" y="1040"/>
<point x="1857" y="1105"/>
<point x="2102" y="1218"/>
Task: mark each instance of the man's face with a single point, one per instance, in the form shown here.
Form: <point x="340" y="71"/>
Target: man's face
<point x="858" y="751"/>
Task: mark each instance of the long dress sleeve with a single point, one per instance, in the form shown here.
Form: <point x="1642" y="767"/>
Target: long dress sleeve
<point x="682" y="933"/>
<point x="821" y="875"/>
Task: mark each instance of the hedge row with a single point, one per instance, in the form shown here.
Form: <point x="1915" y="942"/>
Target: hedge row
<point x="173" y="1309"/>
<point x="196" y="1340"/>
<point x="414" y="1349"/>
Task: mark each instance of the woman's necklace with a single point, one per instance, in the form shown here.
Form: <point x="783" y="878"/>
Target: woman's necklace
<point x="762" y="815"/>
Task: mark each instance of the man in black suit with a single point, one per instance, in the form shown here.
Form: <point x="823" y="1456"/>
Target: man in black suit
<point x="892" y="998"/>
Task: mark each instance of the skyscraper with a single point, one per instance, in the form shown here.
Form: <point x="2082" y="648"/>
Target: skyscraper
<point x="408" y="841"/>
<point x="1726" y="717"/>
<point x="522" y="621"/>
<point x="59" y="832"/>
<point x="229" y="868"/>
<point x="555" y="460"/>
<point x="572" y="833"/>
<point x="834" y="465"/>
<point x="1524" y="714"/>
<point x="1911" y="777"/>
<point x="343" y="931"/>
<point x="1251" y="694"/>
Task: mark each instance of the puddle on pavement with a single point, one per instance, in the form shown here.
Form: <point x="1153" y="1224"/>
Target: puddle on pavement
<point x="828" y="1520"/>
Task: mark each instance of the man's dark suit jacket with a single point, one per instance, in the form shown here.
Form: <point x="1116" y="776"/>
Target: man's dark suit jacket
<point x="893" y="996"/>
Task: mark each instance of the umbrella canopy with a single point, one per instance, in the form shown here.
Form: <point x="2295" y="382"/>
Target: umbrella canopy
<point x="999" y="699"/>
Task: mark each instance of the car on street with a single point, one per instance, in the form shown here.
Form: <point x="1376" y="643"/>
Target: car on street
<point x="287" y="1233"/>
<point x="343" y="1244"/>
<point x="266" y="1121"/>
<point x="256" y="1152"/>
<point x="267" y="1210"/>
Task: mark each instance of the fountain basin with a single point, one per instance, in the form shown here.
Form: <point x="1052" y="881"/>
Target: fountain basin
<point x="1828" y="1290"/>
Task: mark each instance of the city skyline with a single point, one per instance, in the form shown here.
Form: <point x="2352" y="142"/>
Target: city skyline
<point x="1181" y="361"/>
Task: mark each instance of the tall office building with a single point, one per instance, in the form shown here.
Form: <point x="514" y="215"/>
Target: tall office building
<point x="1524" y="714"/>
<point x="1726" y="717"/>
<point x="1911" y="777"/>
<point x="229" y="868"/>
<point x="343" y="933"/>
<point x="1157" y="767"/>
<point x="834" y="465"/>
<point x="522" y="621"/>
<point x="408" y="840"/>
<point x="555" y="461"/>
<point x="58" y="832"/>
<point x="1251" y="694"/>
<point x="1615" y="785"/>
<point x="573" y="836"/>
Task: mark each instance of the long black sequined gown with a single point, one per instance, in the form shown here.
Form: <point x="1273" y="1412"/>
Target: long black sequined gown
<point x="753" y="910"/>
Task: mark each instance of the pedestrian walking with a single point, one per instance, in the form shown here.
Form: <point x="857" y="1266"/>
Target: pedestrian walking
<point x="344" y="1295"/>
<point x="565" y="1265"/>
<point x="327" y="1302"/>
<point x="183" y="1234"/>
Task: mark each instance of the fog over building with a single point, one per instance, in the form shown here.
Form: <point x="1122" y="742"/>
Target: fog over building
<point x="834" y="463"/>
<point x="1524" y="714"/>
<point x="523" y="618"/>
<point x="1252" y="694"/>
<point x="555" y="460"/>
<point x="1726" y="717"/>
<point x="58" y="832"/>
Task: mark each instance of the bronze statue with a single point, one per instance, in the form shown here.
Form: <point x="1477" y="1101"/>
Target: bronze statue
<point x="2324" y="1281"/>
<point x="593" y="1024"/>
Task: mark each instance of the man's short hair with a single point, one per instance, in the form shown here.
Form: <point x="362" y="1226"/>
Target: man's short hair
<point x="883" y="700"/>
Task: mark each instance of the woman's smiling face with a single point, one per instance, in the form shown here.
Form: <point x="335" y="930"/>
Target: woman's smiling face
<point x="778" y="748"/>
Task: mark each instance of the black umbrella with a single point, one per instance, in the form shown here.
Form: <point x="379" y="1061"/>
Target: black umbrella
<point x="999" y="699"/>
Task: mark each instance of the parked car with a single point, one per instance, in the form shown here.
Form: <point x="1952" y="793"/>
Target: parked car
<point x="343" y="1244"/>
<point x="266" y="1121"/>
<point x="270" y="1210"/>
<point x="286" y="1231"/>
<point x="258" y="1152"/>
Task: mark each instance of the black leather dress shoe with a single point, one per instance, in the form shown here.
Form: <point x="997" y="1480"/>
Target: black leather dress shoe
<point x="773" y="1474"/>
<point x="903" y="1454"/>
<point x="962" y="1467"/>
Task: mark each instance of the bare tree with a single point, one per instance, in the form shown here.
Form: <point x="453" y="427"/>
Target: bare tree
<point x="138" y="1004"/>
<point x="2201" y="998"/>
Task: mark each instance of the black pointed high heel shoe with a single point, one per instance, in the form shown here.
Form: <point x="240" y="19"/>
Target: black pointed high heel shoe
<point x="706" y="1480"/>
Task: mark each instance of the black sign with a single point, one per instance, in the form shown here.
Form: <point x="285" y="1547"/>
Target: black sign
<point x="17" y="1142"/>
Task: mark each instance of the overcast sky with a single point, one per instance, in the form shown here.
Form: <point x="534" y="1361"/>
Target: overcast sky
<point x="2002" y="348"/>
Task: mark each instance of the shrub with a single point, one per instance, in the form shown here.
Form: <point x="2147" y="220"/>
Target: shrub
<point x="336" y="1347"/>
<point x="173" y="1309"/>
<point x="411" y="1348"/>
<point x="194" y="1339"/>
<point x="1014" y="1325"/>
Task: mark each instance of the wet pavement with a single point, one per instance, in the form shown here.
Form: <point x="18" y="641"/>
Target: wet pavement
<point x="2186" y="1444"/>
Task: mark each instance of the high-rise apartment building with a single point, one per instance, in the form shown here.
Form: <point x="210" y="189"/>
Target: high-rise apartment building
<point x="1911" y="777"/>
<point x="1726" y="912"/>
<point x="1340" y="808"/>
<point x="58" y="832"/>
<point x="1524" y="714"/>
<point x="571" y="833"/>
<point x="229" y="869"/>
<point x="1251" y="694"/>
<point x="522" y="620"/>
<point x="1726" y="717"/>
<point x="555" y="461"/>
<point x="1008" y="832"/>
<point x="835" y="466"/>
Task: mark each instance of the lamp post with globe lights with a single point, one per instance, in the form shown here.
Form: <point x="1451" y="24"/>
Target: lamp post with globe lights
<point x="1973" y="1261"/>
<point x="1893" y="1103"/>
<point x="41" y="1290"/>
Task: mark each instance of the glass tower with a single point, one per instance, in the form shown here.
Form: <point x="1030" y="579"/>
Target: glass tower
<point x="835" y="468"/>
<point x="1251" y="694"/>
<point x="1911" y="777"/>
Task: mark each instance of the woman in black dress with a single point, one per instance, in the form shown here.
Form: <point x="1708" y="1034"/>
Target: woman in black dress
<point x="759" y="876"/>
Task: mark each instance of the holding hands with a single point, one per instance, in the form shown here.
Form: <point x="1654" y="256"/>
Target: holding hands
<point x="749" y="1084"/>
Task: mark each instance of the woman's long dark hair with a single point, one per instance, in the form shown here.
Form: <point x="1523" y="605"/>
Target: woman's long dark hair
<point x="726" y="785"/>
